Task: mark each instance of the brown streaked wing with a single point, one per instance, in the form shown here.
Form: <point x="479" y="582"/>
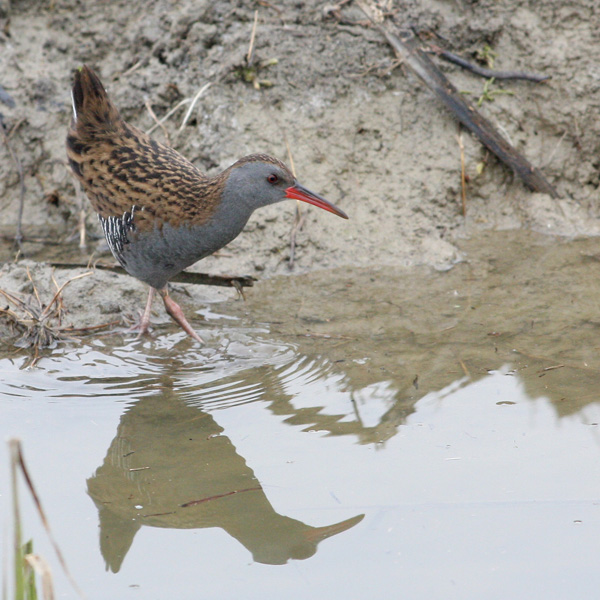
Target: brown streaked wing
<point x="127" y="168"/>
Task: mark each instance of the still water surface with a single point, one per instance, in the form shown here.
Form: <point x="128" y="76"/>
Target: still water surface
<point x="342" y="435"/>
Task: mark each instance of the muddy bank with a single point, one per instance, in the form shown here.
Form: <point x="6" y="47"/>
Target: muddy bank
<point x="371" y="140"/>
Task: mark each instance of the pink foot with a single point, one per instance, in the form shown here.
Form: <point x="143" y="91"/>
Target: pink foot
<point x="177" y="314"/>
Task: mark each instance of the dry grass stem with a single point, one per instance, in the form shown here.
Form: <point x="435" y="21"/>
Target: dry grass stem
<point x="155" y="119"/>
<point x="134" y="67"/>
<point x="57" y="297"/>
<point x="17" y="460"/>
<point x="169" y="115"/>
<point x="42" y="568"/>
<point x="252" y="38"/>
<point x="556" y="147"/>
<point x="39" y="324"/>
<point x="197" y="97"/>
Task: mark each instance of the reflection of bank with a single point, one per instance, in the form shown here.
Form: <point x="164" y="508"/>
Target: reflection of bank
<point x="171" y="466"/>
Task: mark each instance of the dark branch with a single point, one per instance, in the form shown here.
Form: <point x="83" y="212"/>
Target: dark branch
<point x="485" y="72"/>
<point x="183" y="277"/>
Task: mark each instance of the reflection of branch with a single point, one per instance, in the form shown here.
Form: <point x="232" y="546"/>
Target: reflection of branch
<point x="218" y="496"/>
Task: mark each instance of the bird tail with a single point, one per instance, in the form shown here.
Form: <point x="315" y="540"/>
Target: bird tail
<point x="93" y="110"/>
<point x="95" y="118"/>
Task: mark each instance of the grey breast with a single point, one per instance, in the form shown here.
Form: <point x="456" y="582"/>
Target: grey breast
<point x="157" y="255"/>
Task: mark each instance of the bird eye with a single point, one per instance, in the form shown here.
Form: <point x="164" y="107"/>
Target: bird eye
<point x="272" y="178"/>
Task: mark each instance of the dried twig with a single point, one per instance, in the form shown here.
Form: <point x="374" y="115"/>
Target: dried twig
<point x="252" y="38"/>
<point x="191" y="101"/>
<point x="408" y="49"/>
<point x="39" y="324"/>
<point x="140" y="63"/>
<point x="485" y="72"/>
<point x="34" y="288"/>
<point x="155" y="119"/>
<point x="58" y="293"/>
<point x="197" y="97"/>
<point x="555" y="149"/>
<point x="169" y="115"/>
<point x="183" y="277"/>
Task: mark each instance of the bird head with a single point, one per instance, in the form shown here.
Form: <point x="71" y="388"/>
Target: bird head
<point x="259" y="180"/>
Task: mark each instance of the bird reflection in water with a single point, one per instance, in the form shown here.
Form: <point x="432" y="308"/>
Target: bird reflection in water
<point x="171" y="466"/>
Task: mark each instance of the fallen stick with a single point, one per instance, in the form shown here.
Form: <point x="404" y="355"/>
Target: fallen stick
<point x="407" y="48"/>
<point x="183" y="277"/>
<point x="485" y="72"/>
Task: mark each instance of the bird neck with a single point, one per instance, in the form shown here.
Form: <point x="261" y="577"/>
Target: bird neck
<point x="233" y="210"/>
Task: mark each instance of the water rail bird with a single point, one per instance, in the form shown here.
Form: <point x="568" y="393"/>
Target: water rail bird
<point x="161" y="214"/>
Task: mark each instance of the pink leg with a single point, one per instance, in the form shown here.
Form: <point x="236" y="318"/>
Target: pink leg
<point x="177" y="314"/>
<point x="145" y="320"/>
<point x="143" y="325"/>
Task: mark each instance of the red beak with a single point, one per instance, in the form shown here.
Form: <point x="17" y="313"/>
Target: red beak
<point x="298" y="192"/>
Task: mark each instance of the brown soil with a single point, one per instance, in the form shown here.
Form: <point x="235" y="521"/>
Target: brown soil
<point x="374" y="142"/>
